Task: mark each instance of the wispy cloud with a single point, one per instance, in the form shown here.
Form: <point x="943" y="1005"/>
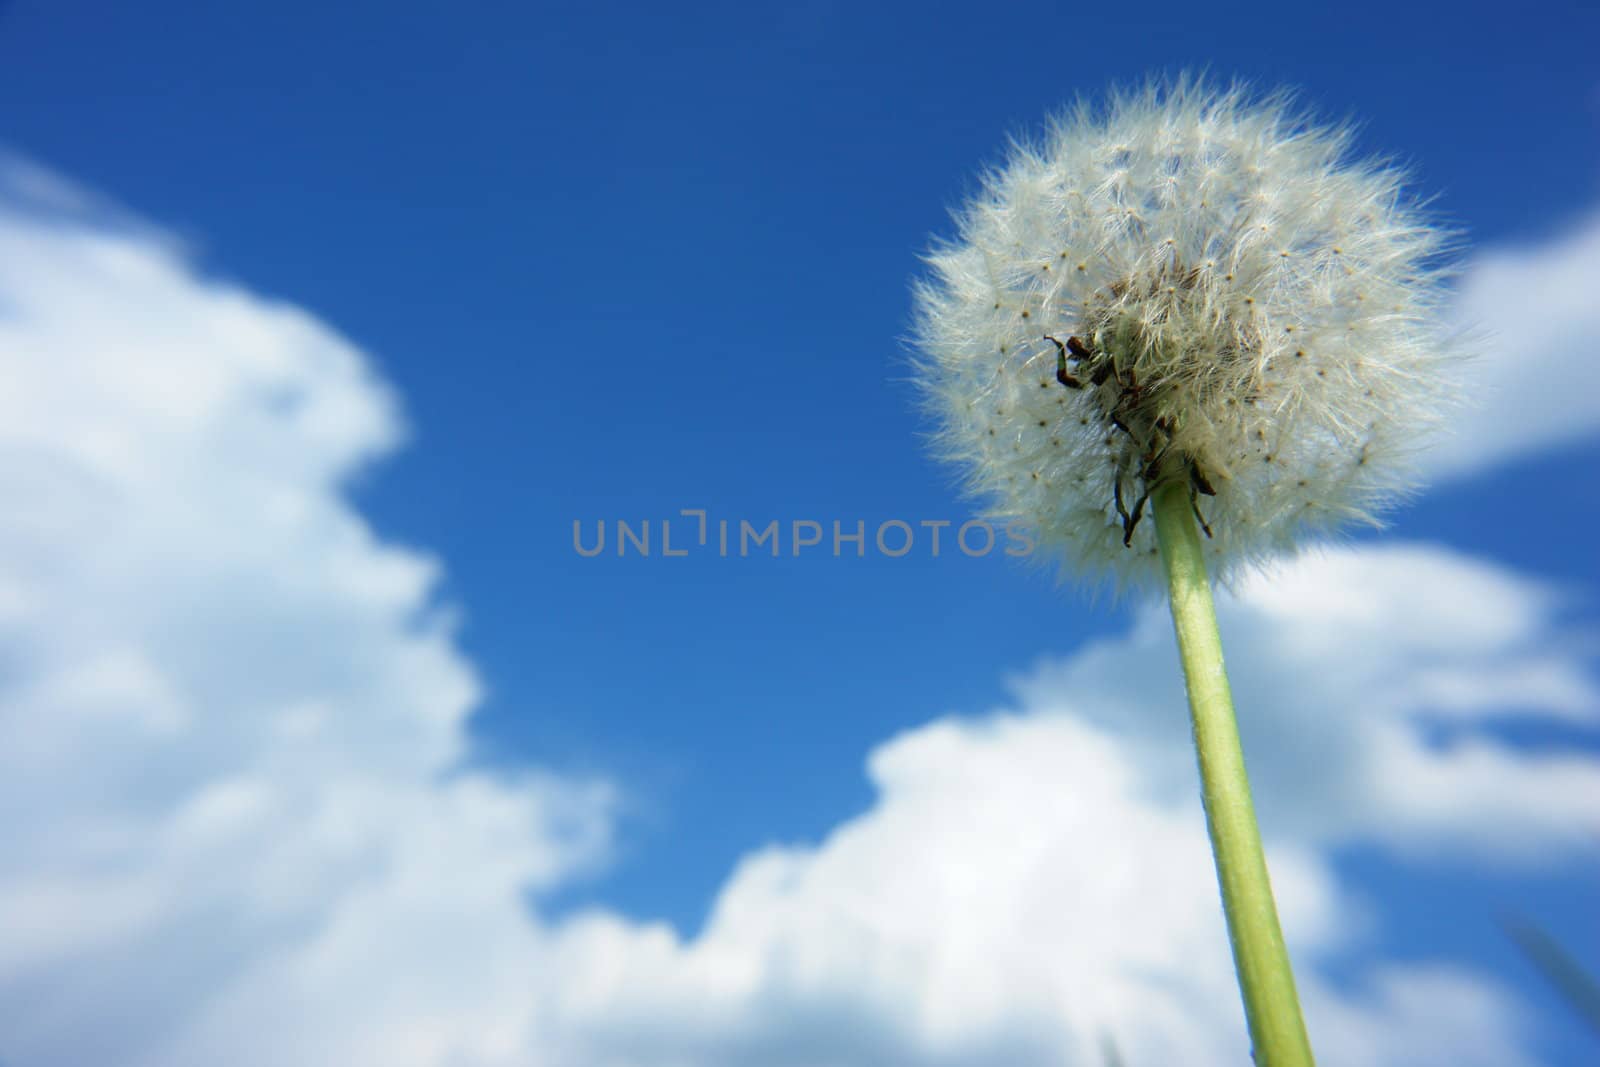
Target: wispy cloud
<point x="237" y="827"/>
<point x="1535" y="378"/>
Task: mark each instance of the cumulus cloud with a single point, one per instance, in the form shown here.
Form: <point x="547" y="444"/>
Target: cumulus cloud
<point x="237" y="826"/>
<point x="230" y="717"/>
<point x="1364" y="679"/>
<point x="1034" y="879"/>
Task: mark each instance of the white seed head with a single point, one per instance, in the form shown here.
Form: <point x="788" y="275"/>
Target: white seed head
<point x="1249" y="310"/>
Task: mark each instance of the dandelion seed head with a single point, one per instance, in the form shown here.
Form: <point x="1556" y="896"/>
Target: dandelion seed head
<point x="1264" y="313"/>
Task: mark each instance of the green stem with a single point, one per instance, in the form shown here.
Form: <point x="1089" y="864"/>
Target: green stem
<point x="1271" y="1006"/>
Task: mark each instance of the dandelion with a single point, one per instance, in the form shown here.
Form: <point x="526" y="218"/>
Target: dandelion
<point x="1193" y="304"/>
<point x="1191" y="289"/>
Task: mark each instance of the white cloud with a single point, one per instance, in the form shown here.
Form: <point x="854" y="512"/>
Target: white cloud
<point x="1033" y="879"/>
<point x="230" y="717"/>
<point x="1534" y="381"/>
<point x="1013" y="897"/>
<point x="1344" y="662"/>
<point x="236" y="828"/>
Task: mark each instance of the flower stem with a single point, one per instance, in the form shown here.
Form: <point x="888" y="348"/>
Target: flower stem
<point x="1271" y="1005"/>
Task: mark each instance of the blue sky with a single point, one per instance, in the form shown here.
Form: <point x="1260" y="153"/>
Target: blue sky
<point x="612" y="262"/>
